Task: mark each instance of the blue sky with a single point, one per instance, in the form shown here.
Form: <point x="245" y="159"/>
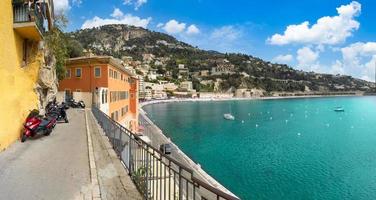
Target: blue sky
<point x="329" y="36"/>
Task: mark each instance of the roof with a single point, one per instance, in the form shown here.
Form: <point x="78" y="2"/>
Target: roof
<point x="101" y="60"/>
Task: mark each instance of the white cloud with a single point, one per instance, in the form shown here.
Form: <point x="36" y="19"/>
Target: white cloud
<point x="117" y="13"/>
<point x="327" y="30"/>
<point x="308" y="59"/>
<point x="193" y="30"/>
<point x="160" y="25"/>
<point x="337" y="68"/>
<point x="283" y="58"/>
<point x="118" y="18"/>
<point x="61" y="6"/>
<point x="174" y="27"/>
<point x="137" y="3"/>
<point x="360" y="59"/>
<point x="226" y="33"/>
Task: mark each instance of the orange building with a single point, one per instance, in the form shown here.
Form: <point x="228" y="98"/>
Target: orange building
<point x="112" y="87"/>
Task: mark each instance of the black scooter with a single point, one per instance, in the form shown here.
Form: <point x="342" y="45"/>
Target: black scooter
<point x="72" y="103"/>
<point x="57" y="111"/>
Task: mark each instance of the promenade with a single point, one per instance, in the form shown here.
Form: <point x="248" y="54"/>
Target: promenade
<point x="61" y="166"/>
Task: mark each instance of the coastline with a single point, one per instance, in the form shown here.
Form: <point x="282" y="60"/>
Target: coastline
<point x="177" y="100"/>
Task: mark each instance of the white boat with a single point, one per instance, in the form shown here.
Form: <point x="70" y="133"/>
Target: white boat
<point x="229" y="116"/>
<point x="339" y="109"/>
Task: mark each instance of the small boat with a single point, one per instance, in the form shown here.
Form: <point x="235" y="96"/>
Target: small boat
<point x="339" y="109"/>
<point x="229" y="116"/>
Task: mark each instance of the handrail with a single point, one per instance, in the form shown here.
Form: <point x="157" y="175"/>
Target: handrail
<point x="144" y="155"/>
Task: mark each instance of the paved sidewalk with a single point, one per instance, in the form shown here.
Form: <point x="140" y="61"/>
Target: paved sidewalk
<point x="113" y="179"/>
<point x="54" y="167"/>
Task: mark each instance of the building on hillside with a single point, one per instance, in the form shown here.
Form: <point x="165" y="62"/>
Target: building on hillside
<point x="147" y="57"/>
<point x="170" y="87"/>
<point x="204" y="73"/>
<point x="104" y="82"/>
<point x="223" y="68"/>
<point x="182" y="70"/>
<point x="186" y="86"/>
<point x="152" y="75"/>
<point x="157" y="90"/>
<point x="22" y="54"/>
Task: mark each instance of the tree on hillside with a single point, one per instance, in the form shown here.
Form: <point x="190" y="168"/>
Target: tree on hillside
<point x="56" y="41"/>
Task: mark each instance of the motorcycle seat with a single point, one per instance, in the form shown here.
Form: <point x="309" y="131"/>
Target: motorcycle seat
<point x="44" y="122"/>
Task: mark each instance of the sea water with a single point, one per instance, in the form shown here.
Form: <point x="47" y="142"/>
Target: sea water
<point x="280" y="149"/>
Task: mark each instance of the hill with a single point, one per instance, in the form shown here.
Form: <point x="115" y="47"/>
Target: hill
<point x="232" y="70"/>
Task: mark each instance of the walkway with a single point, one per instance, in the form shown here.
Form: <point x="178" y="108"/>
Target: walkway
<point x="53" y="167"/>
<point x="114" y="180"/>
<point x="57" y="167"/>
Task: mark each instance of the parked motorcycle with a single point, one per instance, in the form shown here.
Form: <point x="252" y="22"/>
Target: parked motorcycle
<point x="72" y="103"/>
<point x="57" y="111"/>
<point x="36" y="124"/>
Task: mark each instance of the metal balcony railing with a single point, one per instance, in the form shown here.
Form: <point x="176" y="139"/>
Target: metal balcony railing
<point x="156" y="175"/>
<point x="22" y="13"/>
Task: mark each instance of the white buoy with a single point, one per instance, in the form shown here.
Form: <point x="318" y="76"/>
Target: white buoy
<point x="249" y="114"/>
<point x="287" y="120"/>
<point x="327" y="125"/>
<point x="299" y="134"/>
<point x="242" y="121"/>
<point x="257" y="125"/>
<point x="271" y="118"/>
<point x="306" y="116"/>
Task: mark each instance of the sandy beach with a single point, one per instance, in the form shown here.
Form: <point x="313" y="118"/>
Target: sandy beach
<point x="176" y="100"/>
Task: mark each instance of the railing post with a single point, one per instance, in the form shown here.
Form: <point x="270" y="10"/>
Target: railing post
<point x="147" y="172"/>
<point x="180" y="185"/>
<point x="130" y="154"/>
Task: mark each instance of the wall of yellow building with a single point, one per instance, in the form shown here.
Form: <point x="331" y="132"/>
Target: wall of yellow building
<point x="17" y="95"/>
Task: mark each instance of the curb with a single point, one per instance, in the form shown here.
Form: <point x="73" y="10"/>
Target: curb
<point x="95" y="191"/>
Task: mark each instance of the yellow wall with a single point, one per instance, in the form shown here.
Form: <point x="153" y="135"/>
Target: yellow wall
<point x="17" y="95"/>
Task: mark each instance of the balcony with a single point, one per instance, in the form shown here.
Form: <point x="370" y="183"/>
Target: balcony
<point x="28" y="20"/>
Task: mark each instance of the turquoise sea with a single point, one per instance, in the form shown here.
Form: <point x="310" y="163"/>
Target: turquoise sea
<point x="280" y="149"/>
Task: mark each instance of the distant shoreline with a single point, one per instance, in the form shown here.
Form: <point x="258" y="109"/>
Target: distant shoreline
<point x="177" y="100"/>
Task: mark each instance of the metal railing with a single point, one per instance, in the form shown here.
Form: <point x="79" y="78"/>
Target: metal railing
<point x="156" y="175"/>
<point x="23" y="13"/>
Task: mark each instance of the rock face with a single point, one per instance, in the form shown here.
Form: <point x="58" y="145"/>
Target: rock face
<point x="46" y="87"/>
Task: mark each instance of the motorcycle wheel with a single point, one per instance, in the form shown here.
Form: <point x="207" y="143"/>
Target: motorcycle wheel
<point x="47" y="132"/>
<point x="23" y="138"/>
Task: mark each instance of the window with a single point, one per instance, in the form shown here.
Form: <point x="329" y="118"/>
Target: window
<point x="111" y="73"/>
<point x="102" y="96"/>
<point x="68" y="73"/>
<point x="115" y="75"/>
<point x="116" y="115"/>
<point x="78" y="72"/>
<point x="97" y="72"/>
<point x="118" y="95"/>
<point x="113" y="116"/>
<point x="78" y="90"/>
<point x="124" y="110"/>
